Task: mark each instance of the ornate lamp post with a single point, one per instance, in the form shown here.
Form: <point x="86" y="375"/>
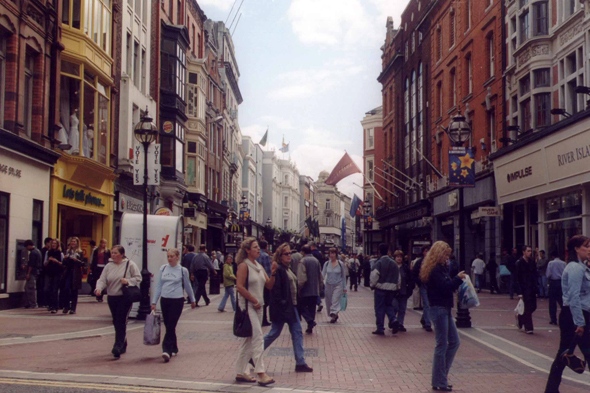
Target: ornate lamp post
<point x="145" y="132"/>
<point x="368" y="206"/>
<point x="459" y="132"/>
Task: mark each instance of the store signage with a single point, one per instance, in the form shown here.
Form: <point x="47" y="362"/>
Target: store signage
<point x="168" y="126"/>
<point x="163" y="211"/>
<point x="10" y="171"/>
<point x="489" y="211"/>
<point x="462" y="167"/>
<point x="81" y="196"/>
<point x="521" y="174"/>
<point x="410" y="215"/>
<point x="125" y="203"/>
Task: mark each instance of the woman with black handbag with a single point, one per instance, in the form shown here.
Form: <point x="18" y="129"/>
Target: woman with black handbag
<point x="116" y="276"/>
<point x="251" y="281"/>
<point x="574" y="319"/>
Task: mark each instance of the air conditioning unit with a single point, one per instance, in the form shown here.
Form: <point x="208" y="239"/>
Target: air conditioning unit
<point x="190" y="212"/>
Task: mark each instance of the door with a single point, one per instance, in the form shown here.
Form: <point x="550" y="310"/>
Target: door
<point x="4" y="212"/>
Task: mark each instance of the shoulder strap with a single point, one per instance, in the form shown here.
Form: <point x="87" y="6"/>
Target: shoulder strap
<point x="126" y="267"/>
<point x="182" y="276"/>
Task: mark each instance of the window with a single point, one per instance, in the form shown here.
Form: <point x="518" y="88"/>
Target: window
<point x="200" y="46"/>
<point x="543" y="108"/>
<point x="453" y="89"/>
<point x="137" y="8"/>
<point x="2" y="76"/>
<point x="191" y="171"/>
<point x="525" y="85"/>
<point x="136" y="73"/>
<point x="524" y="26"/>
<point x="541" y="77"/>
<point x="328" y="205"/>
<point x="71" y="13"/>
<point x="438" y="43"/>
<point x="143" y="72"/>
<point x="4" y="216"/>
<point x="525" y="109"/>
<point x="468" y="15"/>
<point x="370" y="170"/>
<point x="439" y="95"/>
<point x="491" y="55"/>
<point x="286" y="202"/>
<point x="469" y="69"/>
<point x="492" y="129"/>
<point x="144" y="18"/>
<point x="420" y="111"/>
<point x="370" y="138"/>
<point x="413" y="42"/>
<point x="37" y="235"/>
<point x="179" y="13"/>
<point x="28" y="91"/>
<point x="569" y="7"/>
<point x="540" y="13"/>
<point x="407" y="51"/>
<point x="129" y="55"/>
<point x="452" y="28"/>
<point x="173" y="66"/>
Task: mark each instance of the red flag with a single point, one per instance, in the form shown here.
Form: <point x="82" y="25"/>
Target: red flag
<point x="344" y="168"/>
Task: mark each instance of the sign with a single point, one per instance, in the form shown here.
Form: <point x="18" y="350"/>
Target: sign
<point x="126" y="203"/>
<point x="168" y="127"/>
<point x="368" y="222"/>
<point x="154" y="167"/>
<point x="489" y="211"/>
<point x="244" y="217"/>
<point x="10" y="171"/>
<point x="461" y="167"/>
<point x="163" y="211"/>
<point x="81" y="196"/>
<point x="410" y="215"/>
<point x="188" y="230"/>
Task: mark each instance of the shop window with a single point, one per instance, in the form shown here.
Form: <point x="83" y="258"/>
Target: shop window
<point x="37" y="233"/>
<point x="563" y="206"/>
<point x="28" y="91"/>
<point x="4" y="224"/>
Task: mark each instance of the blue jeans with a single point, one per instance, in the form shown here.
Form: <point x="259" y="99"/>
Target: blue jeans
<point x="229" y="293"/>
<point x="478" y="281"/>
<point x="296" y="336"/>
<point x="426" y="305"/>
<point x="447" y="344"/>
<point x="383" y="305"/>
<point x="543" y="290"/>
<point x="399" y="309"/>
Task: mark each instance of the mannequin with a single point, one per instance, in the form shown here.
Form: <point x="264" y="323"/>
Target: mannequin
<point x="75" y="133"/>
<point x="62" y="136"/>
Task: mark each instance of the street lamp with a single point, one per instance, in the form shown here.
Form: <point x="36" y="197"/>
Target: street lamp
<point x="145" y="132"/>
<point x="367" y="206"/>
<point x="459" y="132"/>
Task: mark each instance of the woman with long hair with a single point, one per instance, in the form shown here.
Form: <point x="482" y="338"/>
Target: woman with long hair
<point x="283" y="307"/>
<point x="251" y="281"/>
<point x="100" y="257"/>
<point x="172" y="282"/>
<point x="440" y="288"/>
<point x="229" y="281"/>
<point x="53" y="268"/>
<point x="121" y="271"/>
<point x="72" y="280"/>
<point x="574" y="319"/>
<point x="334" y="274"/>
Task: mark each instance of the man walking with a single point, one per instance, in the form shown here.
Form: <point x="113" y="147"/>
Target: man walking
<point x="265" y="260"/>
<point x="384" y="279"/>
<point x="41" y="277"/>
<point x="478" y="267"/>
<point x="200" y="266"/>
<point x="554" y="272"/>
<point x="542" y="263"/>
<point x="406" y="286"/>
<point x="32" y="268"/>
<point x="353" y="271"/>
<point x="188" y="253"/>
<point x="511" y="266"/>
<point x="526" y="274"/>
<point x="296" y="257"/>
<point x="309" y="281"/>
<point x="318" y="255"/>
<point x="492" y="268"/>
<point x="425" y="321"/>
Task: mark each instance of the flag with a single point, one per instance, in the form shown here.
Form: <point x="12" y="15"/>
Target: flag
<point x="263" y="140"/>
<point x="316" y="228"/>
<point x="461" y="167"/>
<point x="344" y="168"/>
<point x="354" y="206"/>
<point x="309" y="225"/>
<point x="285" y="147"/>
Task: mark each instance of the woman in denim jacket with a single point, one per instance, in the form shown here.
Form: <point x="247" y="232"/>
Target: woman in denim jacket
<point x="574" y="318"/>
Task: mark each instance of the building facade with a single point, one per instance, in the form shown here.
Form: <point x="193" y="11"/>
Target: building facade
<point x="252" y="184"/>
<point x="271" y="190"/>
<point x="308" y="206"/>
<point x="333" y="215"/>
<point x="290" y="199"/>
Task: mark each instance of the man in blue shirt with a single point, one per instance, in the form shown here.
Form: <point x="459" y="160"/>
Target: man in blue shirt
<point x="265" y="260"/>
<point x="554" y="272"/>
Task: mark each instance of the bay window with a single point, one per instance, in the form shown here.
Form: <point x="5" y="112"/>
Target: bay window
<point x="541" y="15"/>
<point x="96" y="15"/>
<point x="173" y="65"/>
<point x="543" y="108"/>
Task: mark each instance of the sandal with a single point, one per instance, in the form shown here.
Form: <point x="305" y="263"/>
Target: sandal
<point x="266" y="382"/>
<point x="245" y="378"/>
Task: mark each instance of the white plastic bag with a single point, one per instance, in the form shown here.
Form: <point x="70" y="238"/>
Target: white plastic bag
<point x="519" y="310"/>
<point x="151" y="330"/>
<point x="467" y="294"/>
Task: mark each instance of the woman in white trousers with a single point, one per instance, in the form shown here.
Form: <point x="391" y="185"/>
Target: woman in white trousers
<point x="335" y="279"/>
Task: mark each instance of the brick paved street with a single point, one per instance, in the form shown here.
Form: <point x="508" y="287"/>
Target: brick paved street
<point x="345" y="356"/>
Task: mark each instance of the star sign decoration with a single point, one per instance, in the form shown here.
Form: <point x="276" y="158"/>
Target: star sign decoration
<point x="464" y="173"/>
<point x="454" y="166"/>
<point x="466" y="161"/>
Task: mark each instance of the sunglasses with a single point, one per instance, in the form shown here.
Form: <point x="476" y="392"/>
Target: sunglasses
<point x="287" y="253"/>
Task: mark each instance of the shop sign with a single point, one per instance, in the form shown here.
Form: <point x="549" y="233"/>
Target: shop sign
<point x="163" y="211"/>
<point x="10" y="171"/>
<point x="410" y="215"/>
<point x="489" y="211"/>
<point x="125" y="203"/>
<point x="188" y="230"/>
<point x="461" y="167"/>
<point x="81" y="196"/>
<point x="168" y="127"/>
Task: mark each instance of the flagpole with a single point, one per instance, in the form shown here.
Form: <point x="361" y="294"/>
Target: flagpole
<point x="392" y="183"/>
<point x="397" y="170"/>
<point x="383" y="188"/>
<point x="395" y="178"/>
<point x="371" y="184"/>
<point x="429" y="163"/>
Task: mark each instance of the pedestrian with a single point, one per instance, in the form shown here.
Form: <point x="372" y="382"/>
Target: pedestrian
<point x="72" y="279"/>
<point x="453" y="266"/>
<point x="188" y="253"/>
<point x="511" y="266"/>
<point x="425" y="320"/>
<point x="318" y="255"/>
<point x="353" y="271"/>
<point x="91" y="279"/>
<point x="251" y="279"/>
<point x="334" y="275"/>
<point x="310" y="283"/>
<point x="367" y="271"/>
<point x="53" y="267"/>
<point x="295" y="257"/>
<point x="440" y="288"/>
<point x="200" y="267"/>
<point x="41" y="299"/>
<point x="283" y="306"/>
<point x="526" y="274"/>
<point x="406" y="286"/>
<point x="416" y="297"/>
<point x="478" y="266"/>
<point x="384" y="280"/>
<point x="492" y="268"/>
<point x="100" y="257"/>
<point x="32" y="268"/>
<point x="554" y="273"/>
<point x="264" y="260"/>
<point x="173" y="281"/>
<point x="229" y="281"/>
<point x="574" y="319"/>
<point x="215" y="278"/>
<point x="120" y="271"/>
<point x="343" y="259"/>
<point x="542" y="263"/>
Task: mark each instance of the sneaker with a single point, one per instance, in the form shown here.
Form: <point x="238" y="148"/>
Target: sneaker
<point x="379" y="332"/>
<point x="72" y="311"/>
<point x="528" y="331"/>
<point x="428" y="328"/>
<point x="401" y="328"/>
<point x="303" y="368"/>
<point x="174" y="354"/>
<point x="166" y="357"/>
<point x="54" y="311"/>
<point x="65" y="311"/>
<point x="320" y="308"/>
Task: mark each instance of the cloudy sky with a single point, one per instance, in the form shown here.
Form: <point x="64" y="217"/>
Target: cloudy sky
<point x="308" y="72"/>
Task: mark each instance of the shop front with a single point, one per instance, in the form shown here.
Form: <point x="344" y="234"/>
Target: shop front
<point x="217" y="215"/>
<point x="408" y="229"/>
<point x="543" y="185"/>
<point x="126" y="201"/>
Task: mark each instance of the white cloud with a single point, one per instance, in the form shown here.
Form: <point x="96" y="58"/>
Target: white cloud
<point x="223" y="5"/>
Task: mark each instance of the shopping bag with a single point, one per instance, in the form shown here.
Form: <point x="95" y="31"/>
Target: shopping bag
<point x="343" y="302"/>
<point x="151" y="330"/>
<point x="504" y="271"/>
<point x="467" y="294"/>
<point x="519" y="307"/>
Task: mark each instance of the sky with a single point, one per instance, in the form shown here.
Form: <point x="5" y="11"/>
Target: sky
<point x="308" y="72"/>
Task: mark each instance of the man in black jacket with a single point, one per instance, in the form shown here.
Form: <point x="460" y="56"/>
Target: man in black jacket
<point x="32" y="269"/>
<point x="318" y="255"/>
<point x="309" y="282"/>
<point x="425" y="320"/>
<point x="526" y="275"/>
<point x="406" y="287"/>
<point x="384" y="280"/>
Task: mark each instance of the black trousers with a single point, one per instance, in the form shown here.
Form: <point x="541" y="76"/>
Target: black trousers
<point x="68" y="298"/>
<point x="493" y="283"/>
<point x="52" y="291"/>
<point x="354" y="281"/>
<point x="307" y="306"/>
<point x="120" y="312"/>
<point x="171" y="311"/>
<point x="555" y="297"/>
<point x="97" y="273"/>
<point x="41" y="302"/>
<point x="567" y="333"/>
<point x="201" y="277"/>
<point x="367" y="276"/>
<point x="526" y="319"/>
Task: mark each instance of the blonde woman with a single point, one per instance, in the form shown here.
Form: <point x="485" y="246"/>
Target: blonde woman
<point x="440" y="288"/>
<point x="252" y="293"/>
<point x="72" y="279"/>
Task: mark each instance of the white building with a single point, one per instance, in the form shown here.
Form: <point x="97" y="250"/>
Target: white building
<point x="271" y="194"/>
<point x="252" y="181"/>
<point x="290" y="196"/>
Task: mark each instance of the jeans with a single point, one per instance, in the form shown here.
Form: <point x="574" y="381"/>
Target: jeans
<point x="447" y="344"/>
<point x="383" y="306"/>
<point x="526" y="319"/>
<point x="120" y="311"/>
<point x="31" y="292"/>
<point x="555" y="297"/>
<point x="171" y="311"/>
<point x="478" y="281"/>
<point x="229" y="293"/>
<point x="567" y="333"/>
<point x="296" y="337"/>
<point x="307" y="306"/>
<point x="51" y="291"/>
<point x="543" y="291"/>
<point x="426" y="314"/>
<point x="399" y="309"/>
<point x="201" y="277"/>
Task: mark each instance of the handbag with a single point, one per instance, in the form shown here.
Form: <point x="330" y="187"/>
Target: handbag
<point x="130" y="293"/>
<point x="151" y="330"/>
<point x="343" y="302"/>
<point x="242" y="323"/>
<point x="572" y="361"/>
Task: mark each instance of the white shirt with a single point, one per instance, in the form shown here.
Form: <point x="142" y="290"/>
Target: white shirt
<point x="478" y="266"/>
<point x="215" y="264"/>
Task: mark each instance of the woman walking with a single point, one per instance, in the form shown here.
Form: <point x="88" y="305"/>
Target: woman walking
<point x="72" y="280"/>
<point x="121" y="271"/>
<point x="251" y="280"/>
<point x="229" y="280"/>
<point x="574" y="319"/>
<point x="171" y="286"/>
<point x="283" y="307"/>
<point x="334" y="275"/>
<point x="440" y="288"/>
<point x="53" y="268"/>
<point x="100" y="257"/>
